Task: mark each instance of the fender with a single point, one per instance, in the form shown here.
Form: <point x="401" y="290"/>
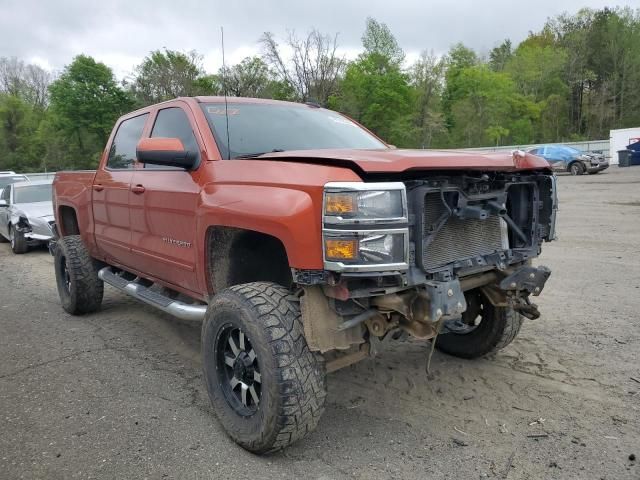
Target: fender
<point x="289" y="214"/>
<point x="74" y="192"/>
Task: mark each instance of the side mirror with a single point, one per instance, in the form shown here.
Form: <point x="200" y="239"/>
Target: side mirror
<point x="3" y="203"/>
<point x="165" y="151"/>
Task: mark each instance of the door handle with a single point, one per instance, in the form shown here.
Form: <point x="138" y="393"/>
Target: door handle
<point x="138" y="189"/>
<point x="98" y="188"/>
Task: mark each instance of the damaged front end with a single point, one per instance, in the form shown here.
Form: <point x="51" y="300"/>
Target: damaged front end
<point x="403" y="257"/>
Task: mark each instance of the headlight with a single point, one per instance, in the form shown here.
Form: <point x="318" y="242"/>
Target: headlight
<point x="376" y="204"/>
<point x="365" y="203"/>
<point x="365" y="226"/>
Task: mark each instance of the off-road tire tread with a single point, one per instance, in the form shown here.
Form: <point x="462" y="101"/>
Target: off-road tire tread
<point x="89" y="289"/>
<point x="301" y="385"/>
<point x="502" y="329"/>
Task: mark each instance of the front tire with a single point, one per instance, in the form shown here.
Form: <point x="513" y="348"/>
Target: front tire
<point x="79" y="287"/>
<point x="18" y="242"/>
<point x="576" y="168"/>
<point x="266" y="387"/>
<point x="483" y="329"/>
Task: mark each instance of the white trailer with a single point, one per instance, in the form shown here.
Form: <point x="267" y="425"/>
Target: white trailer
<point x="619" y="139"/>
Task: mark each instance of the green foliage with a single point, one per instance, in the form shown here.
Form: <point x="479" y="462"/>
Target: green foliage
<point x="487" y="108"/>
<point x="18" y="126"/>
<point x="86" y="101"/>
<point x="168" y="74"/>
<point x="249" y="78"/>
<point x="378" y="39"/>
<point x="499" y="56"/>
<point x="426" y="79"/>
<point x="376" y="93"/>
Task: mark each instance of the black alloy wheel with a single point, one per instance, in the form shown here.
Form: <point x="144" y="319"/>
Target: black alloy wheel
<point x="237" y="363"/>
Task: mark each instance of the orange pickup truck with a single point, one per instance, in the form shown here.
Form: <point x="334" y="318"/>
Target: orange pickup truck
<point x="301" y="241"/>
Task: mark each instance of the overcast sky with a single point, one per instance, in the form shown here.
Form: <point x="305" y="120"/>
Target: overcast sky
<point x="121" y="33"/>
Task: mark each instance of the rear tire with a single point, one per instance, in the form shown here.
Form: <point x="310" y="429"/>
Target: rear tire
<point x="18" y="242"/>
<point x="266" y="387"/>
<point x="576" y="168"/>
<point x="79" y="287"/>
<point x="498" y="327"/>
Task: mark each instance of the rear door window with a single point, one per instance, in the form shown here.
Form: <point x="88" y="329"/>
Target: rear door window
<point x="122" y="154"/>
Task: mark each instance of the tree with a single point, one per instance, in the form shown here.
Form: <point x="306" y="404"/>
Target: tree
<point x="538" y="70"/>
<point x="427" y="79"/>
<point x="85" y="103"/>
<point x="168" y="74"/>
<point x="378" y="39"/>
<point x="18" y="124"/>
<point x="313" y="68"/>
<point x="487" y="108"/>
<point x="458" y="59"/>
<point x="377" y="94"/>
<point x="26" y="81"/>
<point x="249" y="78"/>
<point x="499" y="56"/>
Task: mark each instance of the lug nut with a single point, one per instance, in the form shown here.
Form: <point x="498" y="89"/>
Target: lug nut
<point x="537" y="289"/>
<point x="438" y="313"/>
<point x="450" y="292"/>
<point x="513" y="285"/>
<point x="532" y="276"/>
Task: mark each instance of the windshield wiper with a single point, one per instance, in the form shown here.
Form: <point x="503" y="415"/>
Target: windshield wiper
<point x="256" y="155"/>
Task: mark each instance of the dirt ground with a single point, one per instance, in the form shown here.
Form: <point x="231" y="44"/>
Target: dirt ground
<point x="119" y="394"/>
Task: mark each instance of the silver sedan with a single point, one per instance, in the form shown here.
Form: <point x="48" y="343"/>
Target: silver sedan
<point x="26" y="214"/>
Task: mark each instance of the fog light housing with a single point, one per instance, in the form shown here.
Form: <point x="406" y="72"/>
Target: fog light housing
<point x="341" y="249"/>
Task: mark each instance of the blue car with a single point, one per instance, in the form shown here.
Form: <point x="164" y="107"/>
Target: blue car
<point x="568" y="159"/>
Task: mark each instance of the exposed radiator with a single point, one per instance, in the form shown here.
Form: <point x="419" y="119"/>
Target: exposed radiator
<point x="457" y="239"/>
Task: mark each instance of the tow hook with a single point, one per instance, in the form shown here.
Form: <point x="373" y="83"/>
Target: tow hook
<point x="522" y="283"/>
<point x="526" y="308"/>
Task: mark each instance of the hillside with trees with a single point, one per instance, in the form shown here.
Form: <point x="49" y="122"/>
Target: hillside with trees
<point x="575" y="79"/>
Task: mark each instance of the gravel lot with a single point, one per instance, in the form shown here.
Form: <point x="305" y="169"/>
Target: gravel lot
<point x="119" y="394"/>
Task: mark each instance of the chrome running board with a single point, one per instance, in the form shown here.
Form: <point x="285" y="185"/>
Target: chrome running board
<point x="173" y="307"/>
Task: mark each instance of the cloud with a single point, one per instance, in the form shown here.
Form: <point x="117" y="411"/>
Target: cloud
<point x="121" y="33"/>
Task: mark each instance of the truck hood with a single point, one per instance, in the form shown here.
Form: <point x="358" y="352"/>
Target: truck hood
<point x="399" y="160"/>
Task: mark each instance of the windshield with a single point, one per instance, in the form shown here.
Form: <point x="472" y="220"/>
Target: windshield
<point x="9" y="179"/>
<point x="260" y="128"/>
<point x="32" y="194"/>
